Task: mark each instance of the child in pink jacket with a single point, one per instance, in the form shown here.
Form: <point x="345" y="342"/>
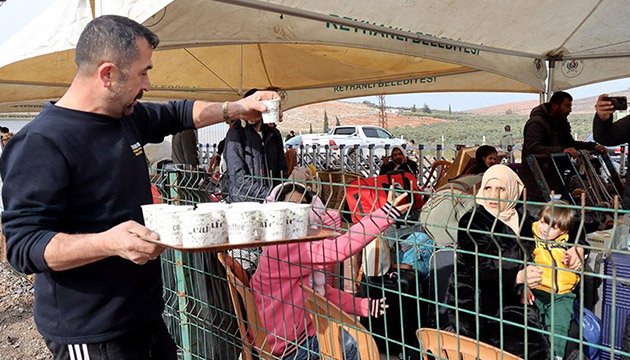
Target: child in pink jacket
<point x="283" y="268"/>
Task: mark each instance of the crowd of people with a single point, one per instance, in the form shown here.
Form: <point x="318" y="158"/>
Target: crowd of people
<point x="74" y="219"/>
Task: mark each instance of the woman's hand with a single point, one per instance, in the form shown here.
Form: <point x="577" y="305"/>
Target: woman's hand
<point x="534" y="276"/>
<point x="378" y="307"/>
<point x="573" y="258"/>
<point x="403" y="208"/>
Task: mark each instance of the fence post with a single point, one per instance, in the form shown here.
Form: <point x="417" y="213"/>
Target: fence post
<point x="356" y="158"/>
<point x="327" y="157"/>
<point x="301" y="155"/>
<point x="180" y="278"/>
<point x="421" y="161"/>
<point x="438" y="154"/>
<point x="622" y="160"/>
<point x="510" y="155"/>
<point x="371" y="160"/>
<point x="315" y="153"/>
<point x="341" y="159"/>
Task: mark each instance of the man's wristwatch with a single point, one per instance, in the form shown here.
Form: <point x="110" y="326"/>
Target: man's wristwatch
<point x="226" y="116"/>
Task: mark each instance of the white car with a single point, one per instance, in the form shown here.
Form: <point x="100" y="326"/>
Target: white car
<point x="350" y="135"/>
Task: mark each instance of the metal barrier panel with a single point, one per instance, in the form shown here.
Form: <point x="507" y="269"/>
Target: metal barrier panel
<point x="437" y="267"/>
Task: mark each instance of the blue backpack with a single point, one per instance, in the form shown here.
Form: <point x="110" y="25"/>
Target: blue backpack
<point x="592" y="330"/>
<point x="416" y="250"/>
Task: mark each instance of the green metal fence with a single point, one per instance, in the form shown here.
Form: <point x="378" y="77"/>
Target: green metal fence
<point x="210" y="318"/>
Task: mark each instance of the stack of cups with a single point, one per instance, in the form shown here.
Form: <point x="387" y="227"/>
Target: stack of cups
<point x="204" y="226"/>
<point x="164" y="219"/>
<point x="243" y="222"/>
<point x="215" y="223"/>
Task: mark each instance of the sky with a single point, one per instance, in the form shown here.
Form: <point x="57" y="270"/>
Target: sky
<point x="17" y="13"/>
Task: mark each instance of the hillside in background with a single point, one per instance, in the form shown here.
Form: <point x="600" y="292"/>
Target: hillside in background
<point x="299" y="119"/>
<point x="468" y="128"/>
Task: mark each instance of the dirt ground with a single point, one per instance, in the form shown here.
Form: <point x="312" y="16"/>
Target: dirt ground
<point x="19" y="338"/>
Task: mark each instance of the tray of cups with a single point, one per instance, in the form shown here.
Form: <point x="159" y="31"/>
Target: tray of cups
<point x="219" y="226"/>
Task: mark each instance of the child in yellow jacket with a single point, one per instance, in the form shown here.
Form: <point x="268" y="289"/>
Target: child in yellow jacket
<point x="557" y="257"/>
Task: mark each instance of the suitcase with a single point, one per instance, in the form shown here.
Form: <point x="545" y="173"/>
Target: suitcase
<point x="364" y="196"/>
<point x="621" y="305"/>
<point x="399" y="287"/>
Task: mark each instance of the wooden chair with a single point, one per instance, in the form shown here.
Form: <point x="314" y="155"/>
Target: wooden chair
<point x="444" y="345"/>
<point x="436" y="175"/>
<point x="250" y="324"/>
<point x="329" y="320"/>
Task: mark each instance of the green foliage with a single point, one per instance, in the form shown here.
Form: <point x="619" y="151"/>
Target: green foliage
<point x="426" y="109"/>
<point x="325" y="121"/>
<point x="449" y="109"/>
<point x="337" y="123"/>
<point x="468" y="129"/>
<point x="414" y="109"/>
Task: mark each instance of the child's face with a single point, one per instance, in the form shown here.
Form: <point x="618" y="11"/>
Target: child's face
<point x="548" y="232"/>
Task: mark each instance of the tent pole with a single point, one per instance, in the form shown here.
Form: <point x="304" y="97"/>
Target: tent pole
<point x="541" y="97"/>
<point x="552" y="66"/>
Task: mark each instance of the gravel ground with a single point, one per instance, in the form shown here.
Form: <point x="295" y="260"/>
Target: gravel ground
<point x="19" y="338"/>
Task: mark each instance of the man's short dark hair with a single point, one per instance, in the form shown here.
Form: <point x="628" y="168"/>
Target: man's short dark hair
<point x="507" y="128"/>
<point x="250" y="92"/>
<point x="111" y="38"/>
<point x="4" y="130"/>
<point x="559" y="96"/>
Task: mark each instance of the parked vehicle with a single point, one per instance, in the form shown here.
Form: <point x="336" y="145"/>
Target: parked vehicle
<point x="351" y="135"/>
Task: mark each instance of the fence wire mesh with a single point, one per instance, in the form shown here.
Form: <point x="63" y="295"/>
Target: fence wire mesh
<point x="448" y="284"/>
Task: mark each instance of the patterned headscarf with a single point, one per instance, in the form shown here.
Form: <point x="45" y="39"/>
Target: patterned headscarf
<point x="514" y="187"/>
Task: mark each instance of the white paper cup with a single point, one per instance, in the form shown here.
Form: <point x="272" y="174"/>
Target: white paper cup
<point x="167" y="224"/>
<point x="273" y="221"/>
<point x="149" y="211"/>
<point x="203" y="227"/>
<point x="242" y="222"/>
<point x="272" y="115"/>
<point x="297" y="220"/>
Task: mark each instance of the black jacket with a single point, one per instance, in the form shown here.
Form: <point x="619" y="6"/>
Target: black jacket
<point x="252" y="162"/>
<point x="612" y="134"/>
<point x="409" y="166"/>
<point x="75" y="172"/>
<point x="543" y="135"/>
<point x="491" y="274"/>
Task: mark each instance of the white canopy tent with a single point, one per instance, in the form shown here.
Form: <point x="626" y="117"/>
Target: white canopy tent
<point x="324" y="50"/>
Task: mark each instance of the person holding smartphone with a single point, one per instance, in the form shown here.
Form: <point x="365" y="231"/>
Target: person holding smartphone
<point x="610" y="133"/>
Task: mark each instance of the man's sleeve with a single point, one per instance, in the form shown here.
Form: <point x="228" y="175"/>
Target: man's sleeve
<point x="535" y="140"/>
<point x="35" y="176"/>
<point x="155" y="121"/>
<point x="242" y="186"/>
<point x="609" y="133"/>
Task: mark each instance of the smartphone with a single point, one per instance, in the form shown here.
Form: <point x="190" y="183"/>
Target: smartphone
<point x="619" y="102"/>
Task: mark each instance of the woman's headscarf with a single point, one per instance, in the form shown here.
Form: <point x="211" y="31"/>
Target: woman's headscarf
<point x="514" y="187"/>
<point x="399" y="148"/>
<point x="483" y="151"/>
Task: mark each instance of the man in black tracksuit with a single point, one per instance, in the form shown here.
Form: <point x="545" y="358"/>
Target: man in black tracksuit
<point x="547" y="132"/>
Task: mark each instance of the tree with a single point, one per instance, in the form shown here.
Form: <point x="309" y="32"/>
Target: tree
<point x="449" y="109"/>
<point x="325" y="121"/>
<point x="426" y="109"/>
<point x="337" y="123"/>
<point x="310" y="131"/>
<point x="414" y="109"/>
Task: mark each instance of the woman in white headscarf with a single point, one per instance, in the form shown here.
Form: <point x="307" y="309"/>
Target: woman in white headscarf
<point x="491" y="256"/>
